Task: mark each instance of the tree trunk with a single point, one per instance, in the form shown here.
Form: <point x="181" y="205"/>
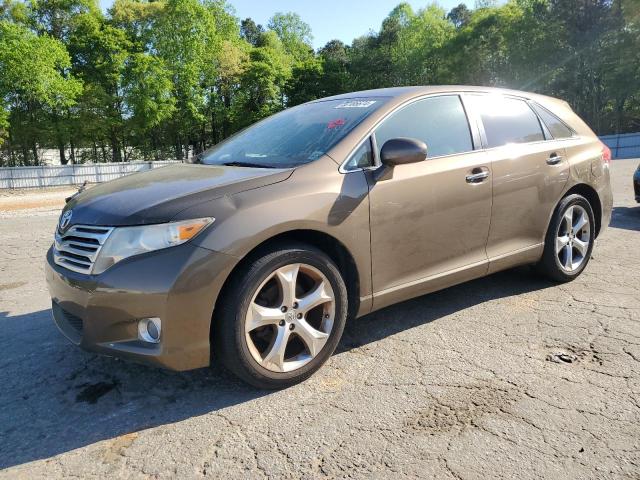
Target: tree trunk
<point x="9" y="162"/>
<point x="59" y="137"/>
<point x="124" y="148"/>
<point x="36" y="161"/>
<point x="225" y="120"/>
<point x="73" y="151"/>
<point x="63" y="158"/>
<point x="12" y="159"/>
<point x="619" y="113"/>
<point x="154" y="145"/>
<point x="116" y="154"/>
<point x="214" y="133"/>
<point x="178" y="148"/>
<point x="104" y="152"/>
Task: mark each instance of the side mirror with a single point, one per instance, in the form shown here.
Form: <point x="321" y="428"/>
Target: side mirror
<point x="399" y="151"/>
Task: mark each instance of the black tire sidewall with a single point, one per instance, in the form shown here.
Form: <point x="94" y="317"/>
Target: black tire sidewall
<point x="238" y="358"/>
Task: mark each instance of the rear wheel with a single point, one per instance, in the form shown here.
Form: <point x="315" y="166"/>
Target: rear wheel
<point x="281" y="317"/>
<point x="569" y="240"/>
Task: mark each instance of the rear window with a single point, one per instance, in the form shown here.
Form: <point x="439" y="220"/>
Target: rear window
<point x="293" y="137"/>
<point x="507" y="120"/>
<point x="556" y="127"/>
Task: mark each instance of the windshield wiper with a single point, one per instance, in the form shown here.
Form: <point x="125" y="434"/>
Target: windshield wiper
<point x="247" y="164"/>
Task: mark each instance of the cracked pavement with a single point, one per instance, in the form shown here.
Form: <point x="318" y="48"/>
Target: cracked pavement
<point x="505" y="377"/>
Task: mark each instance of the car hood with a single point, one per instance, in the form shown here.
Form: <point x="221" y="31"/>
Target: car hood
<point x="159" y="195"/>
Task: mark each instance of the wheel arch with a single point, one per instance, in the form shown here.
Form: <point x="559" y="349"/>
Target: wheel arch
<point x="323" y="241"/>
<point x="593" y="198"/>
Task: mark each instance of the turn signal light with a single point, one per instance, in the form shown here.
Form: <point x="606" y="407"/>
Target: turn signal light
<point x="186" y="232"/>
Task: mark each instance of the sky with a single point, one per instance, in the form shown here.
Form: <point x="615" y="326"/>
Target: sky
<point x="329" y="19"/>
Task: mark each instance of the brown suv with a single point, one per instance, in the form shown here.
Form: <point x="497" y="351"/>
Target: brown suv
<point x="259" y="252"/>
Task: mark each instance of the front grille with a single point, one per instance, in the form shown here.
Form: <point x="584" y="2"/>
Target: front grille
<point x="68" y="323"/>
<point x="77" y="248"/>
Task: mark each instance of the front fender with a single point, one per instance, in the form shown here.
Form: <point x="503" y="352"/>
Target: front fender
<point x="316" y="197"/>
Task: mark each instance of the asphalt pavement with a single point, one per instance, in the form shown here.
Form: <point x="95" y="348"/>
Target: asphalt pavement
<point x="510" y="376"/>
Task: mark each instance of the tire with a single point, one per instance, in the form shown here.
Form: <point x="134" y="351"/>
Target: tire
<point x="257" y="294"/>
<point x="555" y="263"/>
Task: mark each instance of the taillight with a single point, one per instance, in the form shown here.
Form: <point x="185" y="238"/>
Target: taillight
<point x="606" y="153"/>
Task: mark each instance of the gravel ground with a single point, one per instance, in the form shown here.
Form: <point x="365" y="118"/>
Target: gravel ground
<point x="45" y="201"/>
<point x="458" y="384"/>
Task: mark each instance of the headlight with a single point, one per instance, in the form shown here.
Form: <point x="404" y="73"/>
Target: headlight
<point x="126" y="242"/>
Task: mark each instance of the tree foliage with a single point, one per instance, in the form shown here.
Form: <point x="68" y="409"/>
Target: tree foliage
<point x="155" y="79"/>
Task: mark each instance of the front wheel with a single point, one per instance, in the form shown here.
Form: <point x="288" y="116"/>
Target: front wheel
<point x="569" y="240"/>
<point x="281" y="317"/>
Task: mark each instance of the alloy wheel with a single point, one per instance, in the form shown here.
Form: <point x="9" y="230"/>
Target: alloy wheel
<point x="290" y="317"/>
<point x="573" y="238"/>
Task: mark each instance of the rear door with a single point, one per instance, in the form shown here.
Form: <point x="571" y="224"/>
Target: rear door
<point x="431" y="217"/>
<point x="529" y="172"/>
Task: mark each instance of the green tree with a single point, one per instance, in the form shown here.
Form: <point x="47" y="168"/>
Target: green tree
<point x="251" y="32"/>
<point x="167" y="78"/>
<point x="59" y="19"/>
<point x="100" y="52"/>
<point x="459" y="16"/>
<point x="148" y="94"/>
<point x="263" y="81"/>
<point x="294" y="33"/>
<point x="306" y="82"/>
<point x="336" y="65"/>
<point x="137" y="18"/>
<point x="185" y="38"/>
<point x="417" y="51"/>
<point x="34" y="80"/>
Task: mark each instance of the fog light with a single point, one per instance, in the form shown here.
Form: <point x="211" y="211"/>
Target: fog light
<point x="149" y="330"/>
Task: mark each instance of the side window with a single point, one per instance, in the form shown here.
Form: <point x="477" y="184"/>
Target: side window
<point x="361" y="158"/>
<point x="556" y="127"/>
<point x="440" y="122"/>
<point x="507" y="120"/>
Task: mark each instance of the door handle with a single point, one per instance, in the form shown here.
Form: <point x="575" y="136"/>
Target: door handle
<point x="554" y="159"/>
<point x="477" y="175"/>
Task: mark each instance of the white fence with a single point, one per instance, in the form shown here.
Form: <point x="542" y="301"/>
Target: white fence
<point x="57" y="175"/>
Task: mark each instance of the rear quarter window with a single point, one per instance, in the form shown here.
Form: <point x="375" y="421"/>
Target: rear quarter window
<point x="557" y="127"/>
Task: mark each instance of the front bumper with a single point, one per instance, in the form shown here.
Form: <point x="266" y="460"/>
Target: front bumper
<point x="179" y="285"/>
<point x="636" y="185"/>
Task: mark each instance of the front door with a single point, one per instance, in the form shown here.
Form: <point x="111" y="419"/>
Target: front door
<point x="429" y="219"/>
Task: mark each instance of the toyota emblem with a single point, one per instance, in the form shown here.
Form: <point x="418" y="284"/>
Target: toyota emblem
<point x="65" y="220"/>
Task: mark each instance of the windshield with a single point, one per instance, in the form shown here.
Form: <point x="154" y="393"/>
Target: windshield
<point x="293" y="137"/>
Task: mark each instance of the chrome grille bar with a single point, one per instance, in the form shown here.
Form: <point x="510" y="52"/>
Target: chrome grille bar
<point x="77" y="248"/>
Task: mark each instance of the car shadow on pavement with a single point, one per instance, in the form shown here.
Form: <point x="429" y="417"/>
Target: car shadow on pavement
<point x="434" y="306"/>
<point x="627" y="218"/>
<point x="56" y="398"/>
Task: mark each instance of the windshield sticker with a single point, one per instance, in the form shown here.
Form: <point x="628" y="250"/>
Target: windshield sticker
<point x="335" y="123"/>
<point x="356" y="104"/>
